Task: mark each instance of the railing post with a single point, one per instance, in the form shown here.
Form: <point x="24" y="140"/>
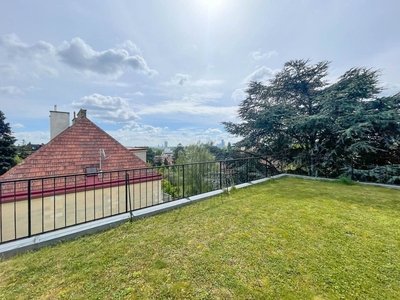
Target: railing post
<point x="220" y="174"/>
<point x="29" y="209"/>
<point x="183" y="181"/>
<point x="126" y="191"/>
<point x="247" y="169"/>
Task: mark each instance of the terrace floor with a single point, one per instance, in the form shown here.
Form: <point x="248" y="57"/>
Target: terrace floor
<point x="283" y="239"/>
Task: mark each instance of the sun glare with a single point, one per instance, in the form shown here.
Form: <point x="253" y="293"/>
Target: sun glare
<point x="212" y="6"/>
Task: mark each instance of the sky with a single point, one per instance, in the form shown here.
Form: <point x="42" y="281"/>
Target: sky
<point x="154" y="71"/>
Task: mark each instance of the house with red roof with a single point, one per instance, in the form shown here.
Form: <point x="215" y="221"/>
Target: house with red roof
<point x="82" y="174"/>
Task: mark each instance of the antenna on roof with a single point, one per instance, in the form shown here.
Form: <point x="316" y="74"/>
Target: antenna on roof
<point x="102" y="156"/>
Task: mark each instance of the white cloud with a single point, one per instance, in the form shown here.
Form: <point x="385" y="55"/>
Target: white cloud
<point x="17" y="125"/>
<point x="257" y="55"/>
<point x="212" y="130"/>
<point x="179" y="79"/>
<point x="187" y="107"/>
<point x="34" y="137"/>
<point x="206" y="82"/>
<point x="45" y="70"/>
<point x="130" y="47"/>
<point x="112" y="83"/>
<point x="146" y="135"/>
<point x="390" y="88"/>
<point x="106" y="108"/>
<point x="15" y="47"/>
<point x="8" y="71"/>
<point x="203" y="97"/>
<point x="10" y="90"/>
<point x="184" y="79"/>
<point x="112" y="62"/>
<point x="137" y="94"/>
<point x="260" y="74"/>
<point x="238" y="95"/>
<point x="77" y="55"/>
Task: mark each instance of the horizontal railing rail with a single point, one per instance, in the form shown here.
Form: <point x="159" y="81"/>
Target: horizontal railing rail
<point x="33" y="206"/>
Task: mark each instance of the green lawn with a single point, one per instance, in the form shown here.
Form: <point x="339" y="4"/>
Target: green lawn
<point x="283" y="239"/>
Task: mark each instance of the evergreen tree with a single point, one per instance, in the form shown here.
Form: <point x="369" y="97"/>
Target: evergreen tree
<point x="150" y="155"/>
<point x="179" y="148"/>
<point x="301" y="123"/>
<point x="7" y="147"/>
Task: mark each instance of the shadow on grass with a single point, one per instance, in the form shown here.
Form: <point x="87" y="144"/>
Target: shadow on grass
<point x="302" y="189"/>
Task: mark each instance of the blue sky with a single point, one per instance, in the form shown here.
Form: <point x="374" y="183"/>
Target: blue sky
<point x="155" y="71"/>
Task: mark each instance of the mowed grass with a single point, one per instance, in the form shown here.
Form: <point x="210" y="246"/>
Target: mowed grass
<point x="283" y="239"/>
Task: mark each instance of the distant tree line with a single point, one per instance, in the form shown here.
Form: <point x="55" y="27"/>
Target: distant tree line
<point x="10" y="154"/>
<point x="303" y="124"/>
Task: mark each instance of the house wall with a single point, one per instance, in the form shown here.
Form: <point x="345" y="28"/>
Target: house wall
<point x="54" y="212"/>
<point x="140" y="152"/>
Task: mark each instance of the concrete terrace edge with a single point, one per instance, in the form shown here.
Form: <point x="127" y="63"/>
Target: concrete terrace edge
<point x="10" y="249"/>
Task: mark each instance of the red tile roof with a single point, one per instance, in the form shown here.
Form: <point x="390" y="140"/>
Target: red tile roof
<point x="74" y="150"/>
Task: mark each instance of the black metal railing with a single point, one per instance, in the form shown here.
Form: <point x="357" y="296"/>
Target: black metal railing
<point x="34" y="206"/>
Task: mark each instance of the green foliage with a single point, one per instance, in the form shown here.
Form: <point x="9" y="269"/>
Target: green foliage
<point x="150" y="155"/>
<point x="198" y="178"/>
<point x="298" y="121"/>
<point x="346" y="180"/>
<point x="169" y="188"/>
<point x="179" y="149"/>
<point x="7" y="149"/>
<point x="195" y="153"/>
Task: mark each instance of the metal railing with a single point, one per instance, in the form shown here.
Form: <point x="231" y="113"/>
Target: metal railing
<point x="34" y="206"/>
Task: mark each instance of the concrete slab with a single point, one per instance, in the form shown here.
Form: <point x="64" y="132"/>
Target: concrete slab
<point x="149" y="211"/>
<point x="242" y="185"/>
<point x="259" y="181"/>
<point x="205" y="195"/>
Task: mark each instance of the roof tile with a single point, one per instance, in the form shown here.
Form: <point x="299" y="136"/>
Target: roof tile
<point x="74" y="149"/>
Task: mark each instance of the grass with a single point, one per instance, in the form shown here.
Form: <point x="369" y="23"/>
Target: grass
<point x="284" y="239"/>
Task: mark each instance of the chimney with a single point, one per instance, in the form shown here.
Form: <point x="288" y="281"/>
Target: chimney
<point x="59" y="121"/>
<point x="82" y="114"/>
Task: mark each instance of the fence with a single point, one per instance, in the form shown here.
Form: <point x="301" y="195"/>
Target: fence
<point x="33" y="206"/>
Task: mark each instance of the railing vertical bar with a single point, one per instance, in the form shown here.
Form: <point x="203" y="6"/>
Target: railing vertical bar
<point x="133" y="188"/>
<point x="152" y="189"/>
<point x="102" y="194"/>
<point x="29" y="209"/>
<point x="54" y="203"/>
<point x="75" y="198"/>
<point x="119" y="198"/>
<point x="1" y="213"/>
<point x="42" y="205"/>
<point x="15" y="210"/>
<point x="85" y="199"/>
<point x="247" y="170"/>
<point x="111" y="197"/>
<point x="94" y="199"/>
<point x="126" y="191"/>
<point x="183" y="181"/>
<point x="65" y="201"/>
<point x="140" y="187"/>
<point x="145" y="185"/>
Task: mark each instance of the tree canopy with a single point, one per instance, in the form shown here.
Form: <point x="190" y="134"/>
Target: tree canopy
<point x="304" y="124"/>
<point x="7" y="148"/>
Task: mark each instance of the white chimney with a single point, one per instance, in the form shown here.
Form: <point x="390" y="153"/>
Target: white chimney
<point x="59" y="121"/>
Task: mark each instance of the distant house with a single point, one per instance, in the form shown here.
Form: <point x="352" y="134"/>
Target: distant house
<point x="140" y="152"/>
<point x="165" y="158"/>
<point x="80" y="175"/>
